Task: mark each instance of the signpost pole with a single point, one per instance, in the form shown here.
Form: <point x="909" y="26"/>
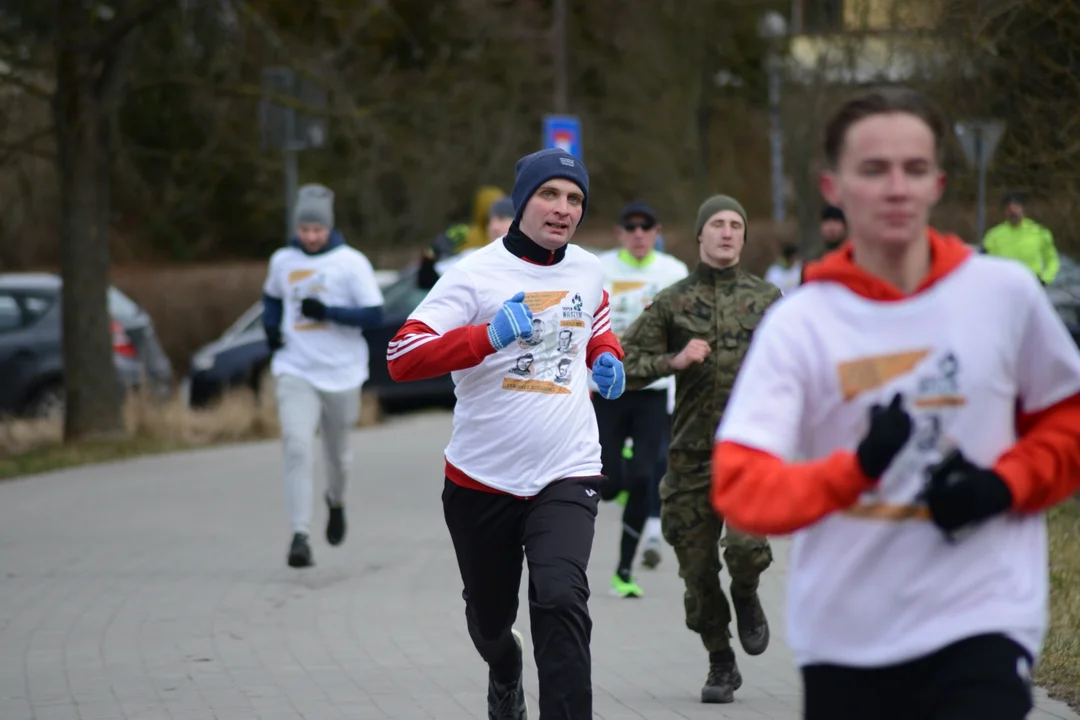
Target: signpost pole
<point x="979" y="141"/>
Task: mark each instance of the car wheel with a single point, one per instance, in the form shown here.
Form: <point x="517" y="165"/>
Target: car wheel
<point x="47" y="402"/>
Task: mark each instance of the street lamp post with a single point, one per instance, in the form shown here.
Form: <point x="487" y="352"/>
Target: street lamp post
<point x="773" y="27"/>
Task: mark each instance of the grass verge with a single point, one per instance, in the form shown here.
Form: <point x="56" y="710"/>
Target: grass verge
<point x="28" y="447"/>
<point x="1059" y="667"/>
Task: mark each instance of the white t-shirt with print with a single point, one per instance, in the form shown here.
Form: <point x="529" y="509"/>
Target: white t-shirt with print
<point x="785" y="278"/>
<point x="523" y="417"/>
<point x="331" y="356"/>
<point x="864" y="589"/>
<point x="631" y="289"/>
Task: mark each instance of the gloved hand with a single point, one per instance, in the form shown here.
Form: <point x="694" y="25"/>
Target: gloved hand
<point x="312" y="308"/>
<point x="609" y="376"/>
<point x="890" y="428"/>
<point x="961" y="494"/>
<point x="513" y="321"/>
<point x="273" y="339"/>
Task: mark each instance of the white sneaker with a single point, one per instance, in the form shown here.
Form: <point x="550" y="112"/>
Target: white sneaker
<point x="650" y="552"/>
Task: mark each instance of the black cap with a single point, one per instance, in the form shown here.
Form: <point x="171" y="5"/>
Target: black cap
<point x="638" y="209"/>
<point x="831" y="212"/>
<point x="1013" y="196"/>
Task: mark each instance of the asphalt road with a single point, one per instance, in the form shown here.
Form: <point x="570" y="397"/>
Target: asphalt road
<point x="157" y="589"/>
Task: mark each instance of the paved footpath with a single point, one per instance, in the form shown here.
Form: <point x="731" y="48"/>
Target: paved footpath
<point x="157" y="589"/>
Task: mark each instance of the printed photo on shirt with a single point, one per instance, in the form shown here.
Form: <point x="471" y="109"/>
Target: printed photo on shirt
<point x="537" y="337"/>
<point x="523" y="366"/>
<point x="566" y="345"/>
<point x="562" y="371"/>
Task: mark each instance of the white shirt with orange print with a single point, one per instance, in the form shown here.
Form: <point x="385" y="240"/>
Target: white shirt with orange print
<point x="523" y="417"/>
<point x="872" y="581"/>
<point x="331" y="356"/>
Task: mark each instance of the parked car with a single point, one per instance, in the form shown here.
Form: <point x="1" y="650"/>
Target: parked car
<point x="31" y="355"/>
<point x="1064" y="292"/>
<point x="240" y="357"/>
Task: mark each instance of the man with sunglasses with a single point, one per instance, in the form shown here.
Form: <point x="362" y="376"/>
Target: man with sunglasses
<point x="633" y="274"/>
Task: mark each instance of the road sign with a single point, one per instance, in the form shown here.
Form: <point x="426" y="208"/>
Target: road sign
<point x="979" y="139"/>
<point x="563" y="132"/>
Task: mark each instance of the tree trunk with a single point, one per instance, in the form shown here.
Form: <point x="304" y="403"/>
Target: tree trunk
<point x="93" y="402"/>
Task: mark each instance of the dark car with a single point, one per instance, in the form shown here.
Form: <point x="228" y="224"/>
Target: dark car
<point x="1064" y="292"/>
<point x="241" y="358"/>
<point x="31" y="356"/>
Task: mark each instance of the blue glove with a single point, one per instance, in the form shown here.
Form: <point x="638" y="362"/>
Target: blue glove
<point x="513" y="321"/>
<point x="609" y="376"/>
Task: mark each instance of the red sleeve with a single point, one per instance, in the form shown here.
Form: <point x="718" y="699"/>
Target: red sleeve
<point x="1043" y="467"/>
<point x="759" y="493"/>
<point x="417" y="352"/>
<point x="602" y="340"/>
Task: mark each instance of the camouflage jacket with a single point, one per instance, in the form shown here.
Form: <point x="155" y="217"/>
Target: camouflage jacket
<point x="721" y="307"/>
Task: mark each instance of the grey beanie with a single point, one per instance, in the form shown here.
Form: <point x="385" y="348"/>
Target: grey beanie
<point x="502" y="208"/>
<point x="314" y="204"/>
<point x="716" y="204"/>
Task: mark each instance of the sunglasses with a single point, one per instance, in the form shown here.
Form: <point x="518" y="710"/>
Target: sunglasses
<point x="643" y="225"/>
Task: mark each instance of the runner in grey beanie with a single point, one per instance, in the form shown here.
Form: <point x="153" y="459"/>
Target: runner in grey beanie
<point x="314" y="204"/>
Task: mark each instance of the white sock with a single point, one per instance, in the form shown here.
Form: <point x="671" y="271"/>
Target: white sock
<point x="652" y="528"/>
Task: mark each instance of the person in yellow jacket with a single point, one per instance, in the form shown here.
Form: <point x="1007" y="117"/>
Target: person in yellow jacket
<point x="485" y="197"/>
<point x="1024" y="240"/>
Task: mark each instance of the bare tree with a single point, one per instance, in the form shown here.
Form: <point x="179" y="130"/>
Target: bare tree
<point x="92" y="59"/>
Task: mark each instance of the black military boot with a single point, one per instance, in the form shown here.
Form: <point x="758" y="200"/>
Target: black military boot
<point x="752" y="624"/>
<point x="724" y="678"/>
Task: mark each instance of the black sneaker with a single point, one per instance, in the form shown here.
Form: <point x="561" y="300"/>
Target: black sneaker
<point x="752" y="623"/>
<point x="335" y="523"/>
<point x="300" y="552"/>
<point x="507" y="702"/>
<point x="724" y="678"/>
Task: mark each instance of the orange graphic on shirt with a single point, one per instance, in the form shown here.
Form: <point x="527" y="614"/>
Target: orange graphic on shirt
<point x="537" y="386"/>
<point x="296" y="276"/>
<point x="624" y="286"/>
<point x="868" y="373"/>
<point x="883" y="511"/>
<point x="541" y="301"/>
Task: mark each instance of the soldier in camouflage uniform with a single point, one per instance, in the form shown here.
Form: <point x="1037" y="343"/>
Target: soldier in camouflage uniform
<point x="699" y="329"/>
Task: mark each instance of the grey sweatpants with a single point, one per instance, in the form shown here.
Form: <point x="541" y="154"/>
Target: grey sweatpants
<point x="303" y="409"/>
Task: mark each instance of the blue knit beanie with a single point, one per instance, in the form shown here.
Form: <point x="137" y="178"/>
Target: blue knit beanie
<point x="536" y="169"/>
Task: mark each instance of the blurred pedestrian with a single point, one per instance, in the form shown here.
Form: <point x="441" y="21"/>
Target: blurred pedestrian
<point x="319" y="296"/>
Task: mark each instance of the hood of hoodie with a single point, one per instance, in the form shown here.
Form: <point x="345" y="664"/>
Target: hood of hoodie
<point x="336" y="240"/>
<point x="947" y="253"/>
<point x="482" y="202"/>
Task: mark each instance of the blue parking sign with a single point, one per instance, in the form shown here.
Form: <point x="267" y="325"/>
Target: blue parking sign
<point x="564" y="132"/>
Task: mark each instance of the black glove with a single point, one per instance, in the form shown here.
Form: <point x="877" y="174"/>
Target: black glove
<point x="961" y="494"/>
<point x="273" y="339"/>
<point x="312" y="308"/>
<point x="890" y="428"/>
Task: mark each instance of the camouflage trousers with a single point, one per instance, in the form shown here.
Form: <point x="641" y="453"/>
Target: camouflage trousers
<point x="692" y="527"/>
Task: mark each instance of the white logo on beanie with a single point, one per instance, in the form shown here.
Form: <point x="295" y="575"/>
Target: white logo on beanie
<point x="568" y="162"/>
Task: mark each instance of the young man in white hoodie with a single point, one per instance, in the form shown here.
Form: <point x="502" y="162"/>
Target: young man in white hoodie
<point x="908" y="414"/>
<point x="633" y="274"/>
<point x="319" y="297"/>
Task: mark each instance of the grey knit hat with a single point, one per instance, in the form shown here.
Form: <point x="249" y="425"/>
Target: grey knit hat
<point x="714" y="205"/>
<point x="502" y="208"/>
<point x="314" y="204"/>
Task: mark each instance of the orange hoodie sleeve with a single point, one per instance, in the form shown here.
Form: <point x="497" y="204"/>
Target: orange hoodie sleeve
<point x="1043" y="467"/>
<point x="761" y="494"/>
